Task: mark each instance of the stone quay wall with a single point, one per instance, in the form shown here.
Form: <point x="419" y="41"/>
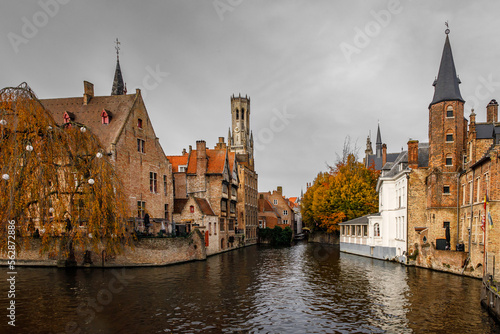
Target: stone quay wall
<point x="324" y="238"/>
<point x="143" y="252"/>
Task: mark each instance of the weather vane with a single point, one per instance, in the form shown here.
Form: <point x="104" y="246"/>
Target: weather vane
<point x="117" y="47"/>
<point x="447" y="31"/>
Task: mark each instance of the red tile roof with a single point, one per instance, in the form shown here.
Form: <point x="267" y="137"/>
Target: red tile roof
<point x="118" y="107"/>
<point x="177" y="160"/>
<point x="204" y="206"/>
<point x="216" y="161"/>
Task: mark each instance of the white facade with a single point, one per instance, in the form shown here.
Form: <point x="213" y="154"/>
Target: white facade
<point x="393" y="208"/>
<point x="383" y="235"/>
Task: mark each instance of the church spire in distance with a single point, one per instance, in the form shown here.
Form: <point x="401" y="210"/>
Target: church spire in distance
<point x="118" y="85"/>
<point x="446" y="85"/>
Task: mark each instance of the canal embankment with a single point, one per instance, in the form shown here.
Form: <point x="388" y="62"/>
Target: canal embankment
<point x="143" y="252"/>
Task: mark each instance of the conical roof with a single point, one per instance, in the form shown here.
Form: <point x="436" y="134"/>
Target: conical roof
<point x="446" y="84"/>
<point x="118" y="85"/>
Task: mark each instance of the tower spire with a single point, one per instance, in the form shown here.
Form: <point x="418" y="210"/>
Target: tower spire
<point x="118" y="85"/>
<point x="378" y="143"/>
<point x="446" y="84"/>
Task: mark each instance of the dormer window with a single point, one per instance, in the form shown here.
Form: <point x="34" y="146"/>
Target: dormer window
<point x="139" y="123"/>
<point x="191" y="209"/>
<point x="104" y="117"/>
<point x="67" y="117"/>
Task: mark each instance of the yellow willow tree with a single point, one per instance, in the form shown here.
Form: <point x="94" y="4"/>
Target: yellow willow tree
<point x="57" y="182"/>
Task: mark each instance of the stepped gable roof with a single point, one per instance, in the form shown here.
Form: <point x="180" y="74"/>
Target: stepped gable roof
<point x="179" y="204"/>
<point x="204" y="206"/>
<point x="177" y="160"/>
<point x="215" y="165"/>
<point x="118" y="106"/>
<point x="446" y="84"/>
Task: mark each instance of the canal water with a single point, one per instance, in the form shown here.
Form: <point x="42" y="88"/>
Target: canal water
<point x="308" y="288"/>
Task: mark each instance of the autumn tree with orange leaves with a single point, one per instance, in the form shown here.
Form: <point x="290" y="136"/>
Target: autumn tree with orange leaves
<point x="345" y="192"/>
<point x="57" y="182"/>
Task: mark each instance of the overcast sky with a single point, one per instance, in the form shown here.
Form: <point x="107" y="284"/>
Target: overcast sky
<point x="316" y="71"/>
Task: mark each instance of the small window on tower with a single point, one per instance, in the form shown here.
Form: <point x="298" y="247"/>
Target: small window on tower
<point x="449" y="137"/>
<point x="139" y="123"/>
<point x="242" y="114"/>
<point x="449" y="112"/>
<point x="446" y="189"/>
<point x="237" y="114"/>
<point x="449" y="160"/>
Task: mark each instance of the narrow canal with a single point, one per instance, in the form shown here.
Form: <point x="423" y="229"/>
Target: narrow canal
<point x="308" y="288"/>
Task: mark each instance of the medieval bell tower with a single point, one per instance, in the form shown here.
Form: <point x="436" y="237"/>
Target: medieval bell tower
<point x="240" y="138"/>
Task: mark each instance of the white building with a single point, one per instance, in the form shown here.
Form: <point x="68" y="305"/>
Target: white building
<point x="382" y="235"/>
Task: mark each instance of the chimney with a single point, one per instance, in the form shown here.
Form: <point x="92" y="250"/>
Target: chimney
<point x="280" y="190"/>
<point x="472" y="125"/>
<point x="384" y="154"/>
<point x="201" y="157"/>
<point x="184" y="151"/>
<point x="413" y="154"/>
<point x="492" y="112"/>
<point x="221" y="144"/>
<point x="88" y="92"/>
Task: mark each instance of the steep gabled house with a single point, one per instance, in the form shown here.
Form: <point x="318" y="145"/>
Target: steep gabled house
<point x="211" y="174"/>
<point x="124" y="129"/>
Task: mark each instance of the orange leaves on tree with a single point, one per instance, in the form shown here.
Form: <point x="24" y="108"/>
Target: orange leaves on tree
<point x="346" y="192"/>
<point x="60" y="181"/>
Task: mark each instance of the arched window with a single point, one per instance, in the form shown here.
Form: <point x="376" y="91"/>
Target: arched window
<point x="237" y="114"/>
<point x="449" y="112"/>
<point x="376" y="230"/>
<point x="191" y="209"/>
<point x="139" y="123"/>
<point x="449" y="136"/>
<point x="242" y="114"/>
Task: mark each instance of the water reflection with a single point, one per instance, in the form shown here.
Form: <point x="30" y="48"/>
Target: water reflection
<point x="308" y="288"/>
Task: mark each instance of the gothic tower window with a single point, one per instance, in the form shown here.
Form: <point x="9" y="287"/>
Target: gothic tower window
<point x="449" y="137"/>
<point x="242" y="114"/>
<point x="237" y="114"/>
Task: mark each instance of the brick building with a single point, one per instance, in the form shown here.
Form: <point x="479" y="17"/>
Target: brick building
<point x="281" y="206"/>
<point x="240" y="141"/>
<point x="123" y="127"/>
<point x="447" y="199"/>
<point x="268" y="216"/>
<point x="212" y="175"/>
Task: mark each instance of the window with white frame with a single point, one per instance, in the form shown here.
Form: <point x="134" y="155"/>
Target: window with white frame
<point x="285" y="212"/>
<point x="376" y="230"/>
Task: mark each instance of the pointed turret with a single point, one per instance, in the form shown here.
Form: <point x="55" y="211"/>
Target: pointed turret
<point x="379" y="143"/>
<point x="446" y="84"/>
<point x="118" y="85"/>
